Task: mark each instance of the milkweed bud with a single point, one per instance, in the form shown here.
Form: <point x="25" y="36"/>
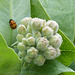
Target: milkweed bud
<point x="58" y="52"/>
<point x="28" y="59"/>
<point x="35" y="24"/>
<point x="28" y="35"/>
<point x="26" y="21"/>
<point x="29" y="30"/>
<point x="42" y="44"/>
<point x="19" y="37"/>
<point x="22" y="29"/>
<point x="22" y="54"/>
<point x="47" y="31"/>
<point x="37" y="34"/>
<point x="55" y="41"/>
<point x="21" y="46"/>
<point x="53" y="25"/>
<point x="28" y="47"/>
<point x="32" y="52"/>
<point x="39" y="60"/>
<point x="31" y="41"/>
<point x="50" y="53"/>
<point x="24" y="41"/>
<point x="43" y="22"/>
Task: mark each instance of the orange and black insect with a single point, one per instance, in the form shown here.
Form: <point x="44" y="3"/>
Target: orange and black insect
<point x="13" y="24"/>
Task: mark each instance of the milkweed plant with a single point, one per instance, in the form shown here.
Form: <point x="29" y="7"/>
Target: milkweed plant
<point x="38" y="40"/>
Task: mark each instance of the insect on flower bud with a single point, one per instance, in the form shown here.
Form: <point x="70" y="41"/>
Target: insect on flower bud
<point x="35" y="24"/>
<point x="21" y="46"/>
<point x="55" y="41"/>
<point x="28" y="35"/>
<point x="24" y="41"/>
<point x="42" y="44"/>
<point x="31" y="41"/>
<point x="19" y="37"/>
<point x="47" y="31"/>
<point x="39" y="60"/>
<point x="26" y="21"/>
<point x="53" y="25"/>
<point x="32" y="52"/>
<point x="22" y="54"/>
<point x="50" y="53"/>
<point x="28" y="59"/>
<point x="22" y="29"/>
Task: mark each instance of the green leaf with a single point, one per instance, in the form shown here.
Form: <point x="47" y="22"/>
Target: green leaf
<point x="12" y="9"/>
<point x="72" y="65"/>
<point x="68" y="73"/>
<point x="67" y="48"/>
<point x="51" y="67"/>
<point x="9" y="61"/>
<point x="62" y="12"/>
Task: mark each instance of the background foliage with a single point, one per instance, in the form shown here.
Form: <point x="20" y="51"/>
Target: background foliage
<point x="58" y="10"/>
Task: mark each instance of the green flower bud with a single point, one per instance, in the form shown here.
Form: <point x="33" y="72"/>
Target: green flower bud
<point x="56" y="41"/>
<point x="39" y="60"/>
<point x="32" y="52"/>
<point x="53" y="25"/>
<point x="59" y="36"/>
<point x="50" y="53"/>
<point x="43" y="22"/>
<point x="21" y="46"/>
<point x="26" y="21"/>
<point x="29" y="30"/>
<point x="58" y="52"/>
<point x="35" y="24"/>
<point x="22" y="29"/>
<point x="22" y="54"/>
<point x="31" y="41"/>
<point x="42" y="44"/>
<point x="47" y="31"/>
<point x="24" y="41"/>
<point x="28" y="47"/>
<point x="19" y="37"/>
<point x="28" y="59"/>
<point x="37" y="34"/>
<point x="28" y="35"/>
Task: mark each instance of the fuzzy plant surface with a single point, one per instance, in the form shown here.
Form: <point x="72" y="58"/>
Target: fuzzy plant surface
<point x="37" y="42"/>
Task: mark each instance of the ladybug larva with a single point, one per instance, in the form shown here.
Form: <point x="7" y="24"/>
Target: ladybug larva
<point x="13" y="24"/>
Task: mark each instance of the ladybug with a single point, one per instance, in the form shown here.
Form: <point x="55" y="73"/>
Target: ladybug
<point x="13" y="24"/>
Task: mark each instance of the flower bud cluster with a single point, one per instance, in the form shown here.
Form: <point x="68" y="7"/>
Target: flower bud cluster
<point x="38" y="40"/>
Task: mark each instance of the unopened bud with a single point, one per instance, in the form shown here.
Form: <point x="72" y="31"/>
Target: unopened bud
<point x="39" y="60"/>
<point x="42" y="44"/>
<point x="31" y="41"/>
<point x="35" y="24"/>
<point x="21" y="46"/>
<point x="19" y="37"/>
<point x="47" y="31"/>
<point x="55" y="41"/>
<point x="32" y="52"/>
<point x="53" y="25"/>
<point x="24" y="41"/>
<point x="22" y="54"/>
<point x="28" y="35"/>
<point x="28" y="59"/>
<point x="22" y="29"/>
<point x="26" y="21"/>
<point x="50" y="53"/>
<point x="58" y="52"/>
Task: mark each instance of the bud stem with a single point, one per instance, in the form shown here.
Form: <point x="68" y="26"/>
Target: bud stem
<point x="14" y="43"/>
